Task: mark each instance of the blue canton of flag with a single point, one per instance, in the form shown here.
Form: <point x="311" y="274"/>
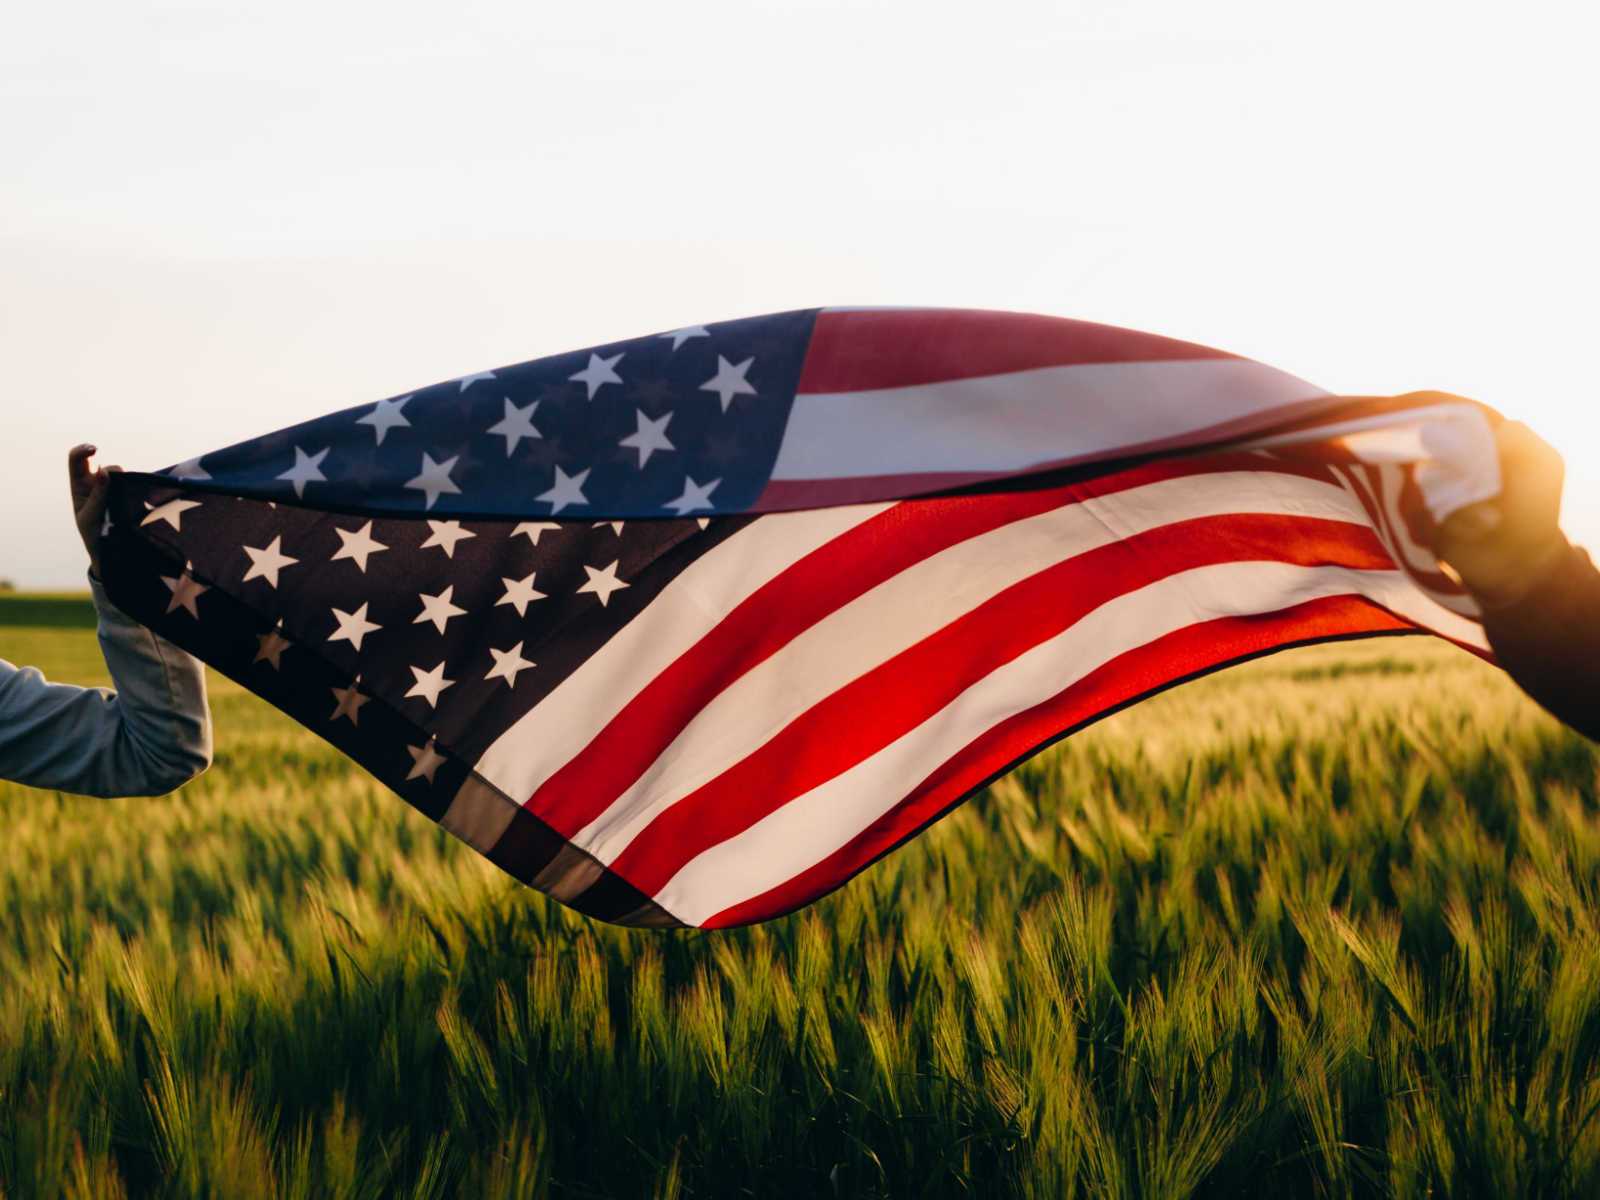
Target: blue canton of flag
<point x="668" y="425"/>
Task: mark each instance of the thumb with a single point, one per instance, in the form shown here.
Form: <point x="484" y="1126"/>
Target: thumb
<point x="92" y="500"/>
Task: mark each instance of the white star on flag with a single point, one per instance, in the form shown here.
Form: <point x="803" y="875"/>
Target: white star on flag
<point x="307" y="469"/>
<point x="349" y="702"/>
<point x="649" y="437"/>
<point x="680" y="336"/>
<point x="533" y="529"/>
<point x="695" y="495"/>
<point x="507" y="663"/>
<point x="352" y="627"/>
<point x="386" y="415"/>
<point x="515" y="425"/>
<point x="568" y="490"/>
<point x="434" y="479"/>
<point x="425" y="760"/>
<point x="171" y="512"/>
<point x="357" y="545"/>
<point x="270" y="647"/>
<point x="519" y="592"/>
<point x="267" y="561"/>
<point x="438" y="609"/>
<point x="602" y="583"/>
<point x="616" y="526"/>
<point x="467" y="381"/>
<point x="598" y="373"/>
<point x="190" y="469"/>
<point x="185" y="591"/>
<point x="445" y="535"/>
<point x="729" y="381"/>
<point x="429" y="684"/>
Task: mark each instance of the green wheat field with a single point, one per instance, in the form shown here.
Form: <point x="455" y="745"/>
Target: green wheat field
<point x="1326" y="924"/>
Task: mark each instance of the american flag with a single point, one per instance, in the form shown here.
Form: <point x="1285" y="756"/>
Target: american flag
<point x="691" y="628"/>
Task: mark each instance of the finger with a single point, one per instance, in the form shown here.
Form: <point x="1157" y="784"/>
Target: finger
<point x="78" y="461"/>
<point x="1529" y="459"/>
<point x="91" y="505"/>
<point x="1516" y="439"/>
<point x="1428" y="396"/>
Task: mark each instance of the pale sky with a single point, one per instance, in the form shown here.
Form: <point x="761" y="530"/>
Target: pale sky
<point x="219" y="219"/>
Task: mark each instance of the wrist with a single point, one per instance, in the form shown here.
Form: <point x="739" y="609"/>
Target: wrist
<point x="1521" y="577"/>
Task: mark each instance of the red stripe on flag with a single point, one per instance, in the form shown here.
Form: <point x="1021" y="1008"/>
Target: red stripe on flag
<point x="873" y="710"/>
<point x="787" y="605"/>
<point x="860" y="351"/>
<point x="1128" y="677"/>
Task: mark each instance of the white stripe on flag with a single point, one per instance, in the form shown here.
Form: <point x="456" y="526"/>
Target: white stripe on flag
<point x="1024" y="418"/>
<point x="688" y="608"/>
<point x="1451" y="447"/>
<point x="1392" y="481"/>
<point x="918" y="602"/>
<point x="812" y="826"/>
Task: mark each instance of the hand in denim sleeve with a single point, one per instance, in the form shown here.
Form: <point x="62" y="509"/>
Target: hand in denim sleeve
<point x="149" y="736"/>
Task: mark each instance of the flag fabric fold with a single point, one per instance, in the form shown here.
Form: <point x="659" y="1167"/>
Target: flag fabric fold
<point x="689" y="629"/>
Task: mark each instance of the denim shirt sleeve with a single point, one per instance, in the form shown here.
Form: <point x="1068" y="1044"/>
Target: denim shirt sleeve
<point x="149" y="736"/>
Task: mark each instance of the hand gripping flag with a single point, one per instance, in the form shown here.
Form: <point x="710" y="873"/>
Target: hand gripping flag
<point x="689" y="629"/>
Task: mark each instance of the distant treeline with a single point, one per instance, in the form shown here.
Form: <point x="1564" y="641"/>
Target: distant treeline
<point x="50" y="610"/>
